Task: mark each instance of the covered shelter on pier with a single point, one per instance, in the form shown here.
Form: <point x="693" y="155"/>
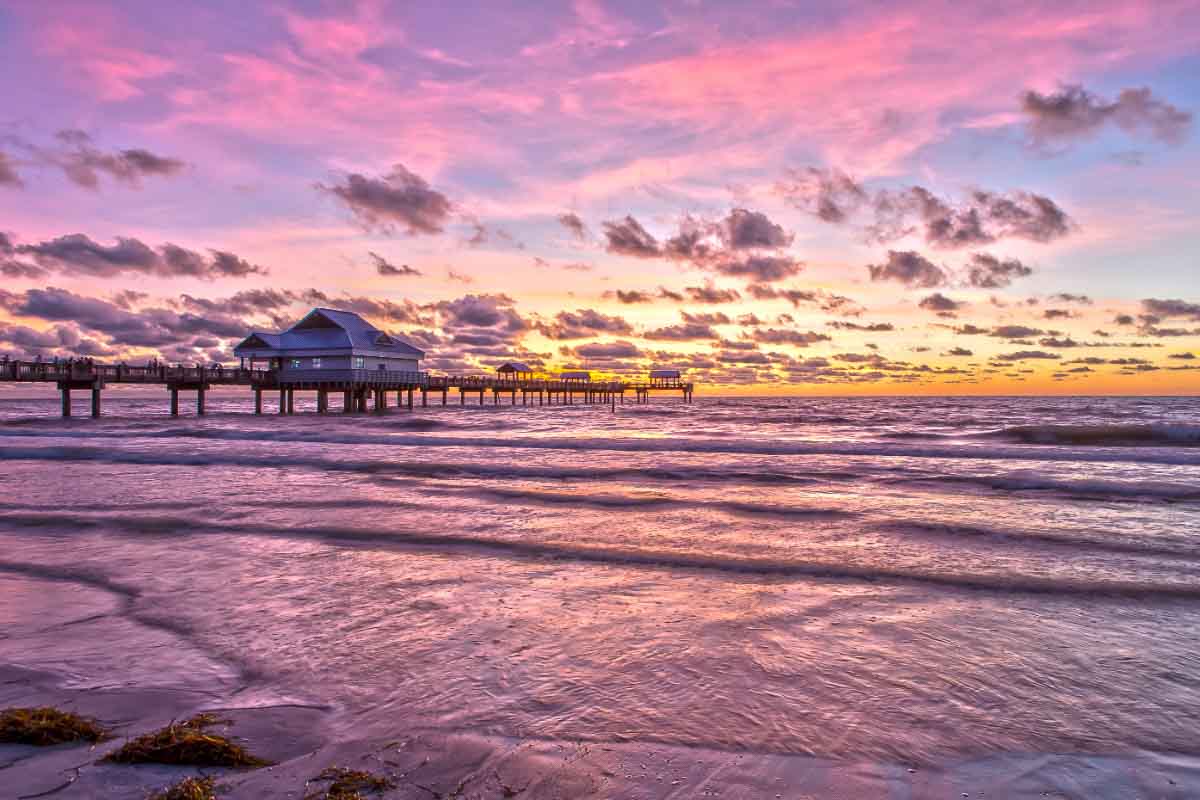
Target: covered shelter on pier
<point x="328" y="339"/>
<point x="575" y="376"/>
<point x="514" y="370"/>
<point x="665" y="377"/>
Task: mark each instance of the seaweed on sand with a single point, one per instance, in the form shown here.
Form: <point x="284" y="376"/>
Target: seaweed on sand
<point x="46" y="726"/>
<point x="186" y="743"/>
<point x="349" y="784"/>
<point x="187" y="789"/>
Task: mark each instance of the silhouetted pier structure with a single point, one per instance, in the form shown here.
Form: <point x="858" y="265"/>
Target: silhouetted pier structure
<point x="358" y="388"/>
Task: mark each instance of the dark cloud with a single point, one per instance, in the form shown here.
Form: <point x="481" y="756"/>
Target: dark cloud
<point x="1027" y="355"/>
<point x="909" y="268"/>
<point x="248" y="302"/>
<point x="630" y="297"/>
<point x="1059" y="343"/>
<point x="8" y="173"/>
<point x="686" y="331"/>
<point x="785" y="336"/>
<point x="828" y="194"/>
<point x="748" y="230"/>
<point x="583" y="323"/>
<point x="939" y="302"/>
<point x="760" y="268"/>
<point x="985" y="271"/>
<point x="980" y="219"/>
<point x="958" y="351"/>
<point x="1073" y="113"/>
<point x="386" y="268"/>
<point x="83" y="164"/>
<point x="152" y="327"/>
<point x="874" y="327"/>
<point x="1057" y="313"/>
<point x="826" y="301"/>
<point x="627" y="237"/>
<point x="77" y="254"/>
<point x="619" y="349"/>
<point x="695" y="242"/>
<point x="482" y="311"/>
<point x="1171" y="309"/>
<point x="400" y="198"/>
<point x="1066" y="297"/>
<point x="574" y="224"/>
<point x="1014" y="332"/>
<point x="711" y="294"/>
<point x="983" y="218"/>
<point x="1185" y="356"/>
<point x="709" y="318"/>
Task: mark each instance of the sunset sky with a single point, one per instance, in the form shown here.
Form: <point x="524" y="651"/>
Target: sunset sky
<point x="779" y="196"/>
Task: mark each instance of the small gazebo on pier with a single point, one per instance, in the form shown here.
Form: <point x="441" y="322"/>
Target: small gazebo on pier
<point x="514" y="371"/>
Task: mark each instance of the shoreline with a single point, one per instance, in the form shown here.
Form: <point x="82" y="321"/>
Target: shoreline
<point x="304" y="740"/>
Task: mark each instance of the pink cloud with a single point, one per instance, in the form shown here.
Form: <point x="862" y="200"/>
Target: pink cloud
<point x="89" y="48"/>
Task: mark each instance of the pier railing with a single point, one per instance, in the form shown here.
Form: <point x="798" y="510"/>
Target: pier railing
<point x="82" y="371"/>
<point x="356" y="384"/>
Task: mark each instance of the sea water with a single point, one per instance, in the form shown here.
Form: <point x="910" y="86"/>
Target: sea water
<point x="902" y="580"/>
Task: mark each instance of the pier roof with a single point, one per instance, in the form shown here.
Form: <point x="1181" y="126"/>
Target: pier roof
<point x="327" y="330"/>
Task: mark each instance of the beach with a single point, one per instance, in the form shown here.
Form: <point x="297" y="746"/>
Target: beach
<point x="743" y="597"/>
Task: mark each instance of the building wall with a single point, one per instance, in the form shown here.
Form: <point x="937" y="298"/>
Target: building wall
<point x="348" y="362"/>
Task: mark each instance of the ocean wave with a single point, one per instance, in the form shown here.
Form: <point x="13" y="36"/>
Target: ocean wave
<point x="425" y="469"/>
<point x="1100" y="435"/>
<point x="629" y="557"/>
<point x="1087" y="489"/>
<point x="1079" y="543"/>
<point x="643" y="501"/>
<point x="940" y="449"/>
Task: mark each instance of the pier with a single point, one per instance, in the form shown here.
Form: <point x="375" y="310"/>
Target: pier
<point x="360" y="390"/>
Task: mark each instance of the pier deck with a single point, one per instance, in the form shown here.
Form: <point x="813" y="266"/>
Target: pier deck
<point x="357" y="386"/>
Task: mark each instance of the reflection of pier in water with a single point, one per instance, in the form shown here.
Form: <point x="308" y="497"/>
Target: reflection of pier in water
<point x="358" y="387"/>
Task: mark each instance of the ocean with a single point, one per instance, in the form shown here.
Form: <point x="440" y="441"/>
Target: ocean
<point x="899" y="581"/>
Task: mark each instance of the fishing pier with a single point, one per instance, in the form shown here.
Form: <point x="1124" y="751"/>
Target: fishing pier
<point x="359" y="390"/>
<point x="337" y="352"/>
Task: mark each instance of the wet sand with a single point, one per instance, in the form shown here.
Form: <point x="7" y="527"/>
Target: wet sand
<point x="304" y="740"/>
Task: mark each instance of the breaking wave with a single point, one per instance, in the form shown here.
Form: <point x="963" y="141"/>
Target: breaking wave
<point x="1017" y="583"/>
<point x="1100" y="435"/>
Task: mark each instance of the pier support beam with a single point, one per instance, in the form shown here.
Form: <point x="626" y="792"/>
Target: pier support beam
<point x="347" y="402"/>
<point x="65" y="391"/>
<point x="283" y="401"/>
<point x="291" y="401"/>
<point x="322" y="401"/>
<point x="174" y="401"/>
<point x="200" y="402"/>
<point x="95" y="402"/>
<point x="258" y="401"/>
<point x="410" y="399"/>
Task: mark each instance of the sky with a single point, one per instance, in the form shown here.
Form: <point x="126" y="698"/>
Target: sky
<point x="776" y="197"/>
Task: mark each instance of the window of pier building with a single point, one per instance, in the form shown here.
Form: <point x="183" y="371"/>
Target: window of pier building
<point x="360" y="362"/>
<point x="316" y="362"/>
